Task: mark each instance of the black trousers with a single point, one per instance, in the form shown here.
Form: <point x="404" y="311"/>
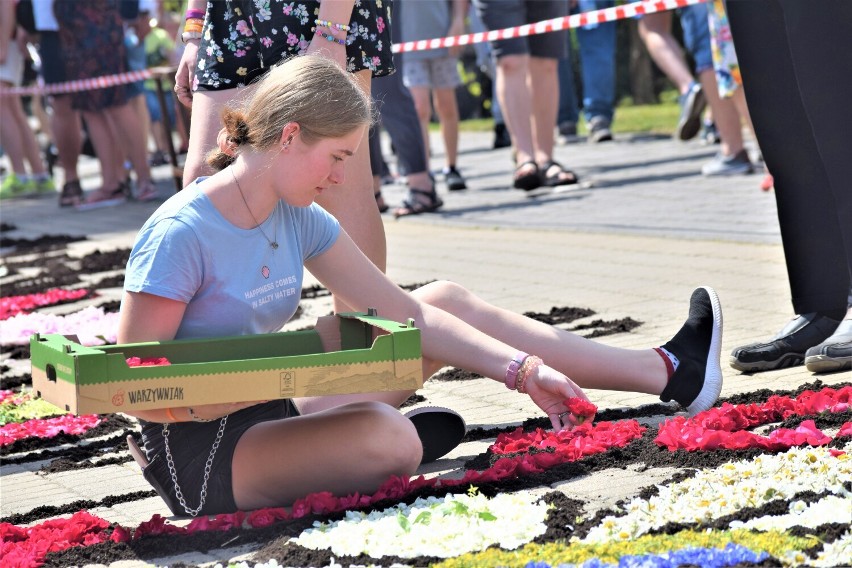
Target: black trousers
<point x="796" y="61"/>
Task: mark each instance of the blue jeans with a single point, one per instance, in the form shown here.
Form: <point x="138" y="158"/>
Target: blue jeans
<point x="597" y="64"/>
<point x="696" y="35"/>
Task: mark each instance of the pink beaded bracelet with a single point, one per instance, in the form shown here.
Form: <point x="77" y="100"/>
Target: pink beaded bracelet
<point x="513" y="368"/>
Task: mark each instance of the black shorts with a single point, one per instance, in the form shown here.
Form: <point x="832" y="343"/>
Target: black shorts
<point x="500" y="14"/>
<point x="190" y="444"/>
<point x="237" y="49"/>
<point x="52" y="64"/>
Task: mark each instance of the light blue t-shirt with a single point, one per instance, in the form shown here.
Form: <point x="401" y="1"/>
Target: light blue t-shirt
<point x="233" y="282"/>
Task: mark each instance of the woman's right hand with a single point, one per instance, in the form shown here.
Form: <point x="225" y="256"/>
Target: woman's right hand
<point x="549" y="389"/>
<point x="186" y="72"/>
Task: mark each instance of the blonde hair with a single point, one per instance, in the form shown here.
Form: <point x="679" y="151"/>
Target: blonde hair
<point x="310" y="90"/>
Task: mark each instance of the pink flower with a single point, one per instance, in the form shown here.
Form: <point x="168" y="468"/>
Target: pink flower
<point x="380" y="24"/>
<point x="288" y="9"/>
<point x="244" y="28"/>
<point x="240" y="53"/>
<point x="292" y="39"/>
<point x="266" y="41"/>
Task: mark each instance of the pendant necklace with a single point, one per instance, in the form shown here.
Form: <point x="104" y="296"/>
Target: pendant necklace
<point x="273" y="244"/>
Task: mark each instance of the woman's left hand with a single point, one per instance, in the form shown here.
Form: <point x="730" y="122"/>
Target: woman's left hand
<point x="549" y="389"/>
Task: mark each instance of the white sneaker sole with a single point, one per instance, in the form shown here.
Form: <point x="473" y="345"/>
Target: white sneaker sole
<point x="712" y="387"/>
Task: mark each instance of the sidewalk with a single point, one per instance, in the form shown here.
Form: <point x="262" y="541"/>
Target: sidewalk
<point x="644" y="230"/>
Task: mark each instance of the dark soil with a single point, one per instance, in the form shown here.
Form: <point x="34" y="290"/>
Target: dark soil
<point x="44" y="242"/>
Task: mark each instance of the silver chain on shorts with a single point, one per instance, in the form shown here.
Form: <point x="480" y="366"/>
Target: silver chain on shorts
<point x="170" y="462"/>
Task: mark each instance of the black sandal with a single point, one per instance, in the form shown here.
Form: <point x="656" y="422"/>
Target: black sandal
<point x="557" y="179"/>
<point x="528" y="181"/>
<point x="413" y="206"/>
<point x="71" y="195"/>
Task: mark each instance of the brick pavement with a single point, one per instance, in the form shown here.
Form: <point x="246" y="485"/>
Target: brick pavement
<point x="644" y="230"/>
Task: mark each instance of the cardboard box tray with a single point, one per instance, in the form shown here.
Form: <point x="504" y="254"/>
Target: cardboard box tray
<point x="346" y="353"/>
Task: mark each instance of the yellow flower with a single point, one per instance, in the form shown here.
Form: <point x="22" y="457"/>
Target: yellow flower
<point x="242" y="71"/>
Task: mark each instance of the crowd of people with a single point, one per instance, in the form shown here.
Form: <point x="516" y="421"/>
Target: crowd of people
<point x="257" y="110"/>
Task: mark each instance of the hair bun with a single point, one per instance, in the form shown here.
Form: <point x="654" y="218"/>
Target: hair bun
<point x="236" y="126"/>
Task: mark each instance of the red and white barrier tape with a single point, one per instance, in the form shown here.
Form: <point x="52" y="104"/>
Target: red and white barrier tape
<point x="82" y="84"/>
<point x="544" y="26"/>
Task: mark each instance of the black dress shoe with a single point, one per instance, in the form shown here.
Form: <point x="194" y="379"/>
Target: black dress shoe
<point x="786" y="349"/>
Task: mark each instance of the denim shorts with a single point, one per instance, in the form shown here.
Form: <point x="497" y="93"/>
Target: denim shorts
<point x="499" y="14"/>
<point x="437" y="73"/>
<point x="152" y="101"/>
<point x="190" y="444"/>
<point x="239" y="45"/>
<point x="696" y="35"/>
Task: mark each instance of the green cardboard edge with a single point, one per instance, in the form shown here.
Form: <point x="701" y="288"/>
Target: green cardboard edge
<point x="71" y="361"/>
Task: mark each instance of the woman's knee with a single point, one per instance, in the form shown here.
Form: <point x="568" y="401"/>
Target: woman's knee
<point x="389" y="439"/>
<point x="444" y="294"/>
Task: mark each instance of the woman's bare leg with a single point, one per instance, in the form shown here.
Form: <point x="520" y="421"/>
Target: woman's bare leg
<point x="279" y="461"/>
<point x="205" y="125"/>
<point x="354" y="205"/>
<point x="588" y="363"/>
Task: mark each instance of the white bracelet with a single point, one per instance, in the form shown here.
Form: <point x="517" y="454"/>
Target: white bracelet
<point x="188" y="36"/>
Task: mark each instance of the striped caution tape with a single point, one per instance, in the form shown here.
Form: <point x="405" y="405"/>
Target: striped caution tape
<point x="82" y="84"/>
<point x="544" y="26"/>
<point x="562" y="23"/>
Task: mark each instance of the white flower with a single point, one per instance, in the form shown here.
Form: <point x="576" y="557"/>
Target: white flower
<point x="713" y="493"/>
<point x="442" y="527"/>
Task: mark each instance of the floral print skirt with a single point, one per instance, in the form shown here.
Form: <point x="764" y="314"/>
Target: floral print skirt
<point x="242" y="39"/>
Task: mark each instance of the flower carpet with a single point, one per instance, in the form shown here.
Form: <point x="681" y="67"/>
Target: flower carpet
<point x="762" y="479"/>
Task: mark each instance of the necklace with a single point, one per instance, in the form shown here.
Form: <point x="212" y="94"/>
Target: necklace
<point x="273" y="244"/>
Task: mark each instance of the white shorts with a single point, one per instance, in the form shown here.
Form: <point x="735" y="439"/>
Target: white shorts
<point x="438" y="73"/>
<point x="12" y="70"/>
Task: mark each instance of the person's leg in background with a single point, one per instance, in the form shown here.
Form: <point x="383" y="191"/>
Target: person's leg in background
<point x="804" y="132"/>
<point x="732" y="157"/>
<point x="597" y="62"/>
<point x="655" y="32"/>
<point x="65" y="122"/>
<point x="17" y="136"/>
<point x="399" y="118"/>
<point x="568" y="114"/>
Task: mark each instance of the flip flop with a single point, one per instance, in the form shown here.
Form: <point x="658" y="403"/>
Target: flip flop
<point x="440" y="430"/>
<point x="413" y="206"/>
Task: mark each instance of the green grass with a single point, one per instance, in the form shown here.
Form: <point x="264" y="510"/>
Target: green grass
<point x="659" y="118"/>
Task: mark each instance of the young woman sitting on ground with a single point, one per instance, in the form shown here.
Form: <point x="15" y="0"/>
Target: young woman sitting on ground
<point x="255" y="221"/>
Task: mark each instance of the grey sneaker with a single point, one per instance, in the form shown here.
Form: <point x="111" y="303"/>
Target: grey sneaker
<point x="599" y="130"/>
<point x="834" y="354"/>
<point x="567" y="133"/>
<point x="723" y="165"/>
<point x="692" y="104"/>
